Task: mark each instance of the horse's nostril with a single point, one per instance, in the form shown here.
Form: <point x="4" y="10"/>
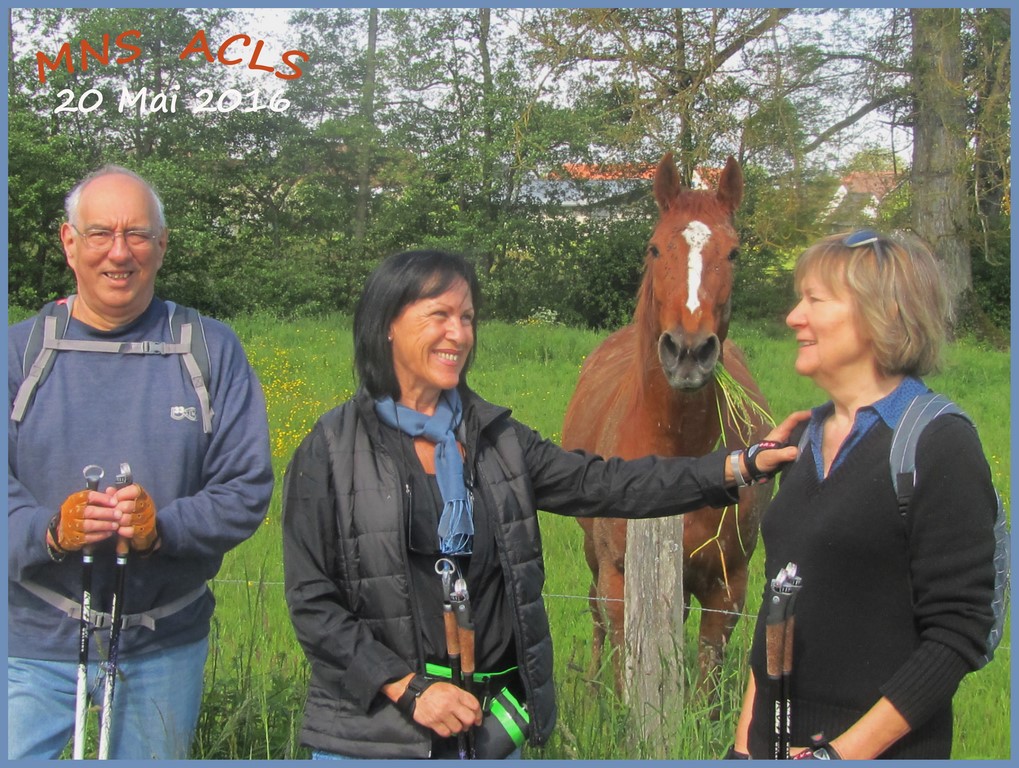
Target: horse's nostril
<point x="674" y="351"/>
<point x="668" y="350"/>
<point x="706" y="353"/>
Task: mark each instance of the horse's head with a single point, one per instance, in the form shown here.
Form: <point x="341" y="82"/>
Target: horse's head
<point x="685" y="299"/>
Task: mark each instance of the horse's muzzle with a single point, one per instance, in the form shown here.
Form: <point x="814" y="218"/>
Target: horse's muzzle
<point x="688" y="362"/>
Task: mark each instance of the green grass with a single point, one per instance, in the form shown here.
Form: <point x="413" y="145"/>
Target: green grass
<point x="255" y="681"/>
<point x="305" y="368"/>
<point x="255" y="684"/>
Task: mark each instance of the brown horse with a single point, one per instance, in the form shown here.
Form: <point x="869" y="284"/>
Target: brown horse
<point x="651" y="388"/>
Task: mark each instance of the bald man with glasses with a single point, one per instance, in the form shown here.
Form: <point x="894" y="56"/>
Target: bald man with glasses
<point x="201" y="483"/>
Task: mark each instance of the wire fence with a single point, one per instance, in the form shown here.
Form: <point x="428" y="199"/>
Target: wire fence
<point x="1003" y="648"/>
<point x="545" y="595"/>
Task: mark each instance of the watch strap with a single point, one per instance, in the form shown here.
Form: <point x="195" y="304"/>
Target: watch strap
<point x="821" y="749"/>
<point x="741" y="482"/>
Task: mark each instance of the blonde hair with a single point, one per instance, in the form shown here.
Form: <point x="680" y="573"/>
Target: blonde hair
<point x="898" y="291"/>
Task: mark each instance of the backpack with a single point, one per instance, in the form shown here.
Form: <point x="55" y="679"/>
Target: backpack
<point x="47" y="337"/>
<point x="902" y="463"/>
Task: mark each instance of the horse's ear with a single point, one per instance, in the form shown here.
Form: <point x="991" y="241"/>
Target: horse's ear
<point x="730" y="186"/>
<point x="667" y="185"/>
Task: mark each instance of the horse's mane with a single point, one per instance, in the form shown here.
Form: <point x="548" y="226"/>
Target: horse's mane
<point x="645" y="314"/>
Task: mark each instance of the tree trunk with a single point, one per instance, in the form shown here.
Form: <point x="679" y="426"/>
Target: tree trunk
<point x="940" y="163"/>
<point x="488" y="184"/>
<point x="364" y="160"/>
<point x="653" y="631"/>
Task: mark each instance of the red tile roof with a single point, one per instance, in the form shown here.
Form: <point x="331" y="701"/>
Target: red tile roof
<point x="877" y="183"/>
<point x="605" y="171"/>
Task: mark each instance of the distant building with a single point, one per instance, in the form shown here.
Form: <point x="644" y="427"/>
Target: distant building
<point x="601" y="190"/>
<point x="858" y="198"/>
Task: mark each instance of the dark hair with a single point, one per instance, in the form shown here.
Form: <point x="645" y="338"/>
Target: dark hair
<point x="397" y="281"/>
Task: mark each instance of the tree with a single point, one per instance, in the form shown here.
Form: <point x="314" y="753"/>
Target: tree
<point x="987" y="66"/>
<point x="668" y="72"/>
<point x="367" y="116"/>
<point x="415" y="127"/>
<point x="987" y="62"/>
<point x="940" y="163"/>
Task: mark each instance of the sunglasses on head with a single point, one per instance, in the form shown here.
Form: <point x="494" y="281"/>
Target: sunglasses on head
<point x="862" y="237"/>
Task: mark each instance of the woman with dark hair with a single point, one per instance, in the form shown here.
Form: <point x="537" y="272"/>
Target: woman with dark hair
<point x="411" y="547"/>
<point x="894" y="605"/>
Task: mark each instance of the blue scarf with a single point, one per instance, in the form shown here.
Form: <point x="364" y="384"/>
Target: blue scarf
<point x="456" y="523"/>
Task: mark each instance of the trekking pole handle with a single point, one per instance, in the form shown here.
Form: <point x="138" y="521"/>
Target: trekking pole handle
<point x="465" y="637"/>
<point x="793" y="585"/>
<point x="93" y="474"/>
<point x="775" y="629"/>
<point x="124" y="479"/>
<point x="452" y="635"/>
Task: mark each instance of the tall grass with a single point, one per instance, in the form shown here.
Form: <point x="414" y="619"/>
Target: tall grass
<point x="257" y="674"/>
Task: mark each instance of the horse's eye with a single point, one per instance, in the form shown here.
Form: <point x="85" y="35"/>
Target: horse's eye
<point x="652" y="251"/>
<point x="733" y="254"/>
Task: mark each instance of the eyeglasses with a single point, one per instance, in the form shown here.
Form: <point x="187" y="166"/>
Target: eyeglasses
<point x="103" y="239"/>
<point x="863" y="237"/>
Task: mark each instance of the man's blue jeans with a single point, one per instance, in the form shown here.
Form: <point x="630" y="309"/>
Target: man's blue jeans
<point x="155" y="709"/>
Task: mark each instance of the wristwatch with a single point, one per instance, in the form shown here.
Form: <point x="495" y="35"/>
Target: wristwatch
<point x="741" y="482"/>
<point x="822" y="750"/>
<point x="826" y="752"/>
<point x="409" y="698"/>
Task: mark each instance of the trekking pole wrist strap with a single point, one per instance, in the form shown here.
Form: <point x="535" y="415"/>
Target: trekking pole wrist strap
<point x="56" y="553"/>
<point x="409" y="698"/>
<point x="750" y="454"/>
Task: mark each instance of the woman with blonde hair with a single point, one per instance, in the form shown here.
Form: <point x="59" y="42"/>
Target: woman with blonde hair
<point x="893" y="608"/>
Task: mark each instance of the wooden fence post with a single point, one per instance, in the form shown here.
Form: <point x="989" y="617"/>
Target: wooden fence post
<point x="653" y="584"/>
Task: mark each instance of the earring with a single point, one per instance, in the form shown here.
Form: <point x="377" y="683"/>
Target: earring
<point x="389" y="338"/>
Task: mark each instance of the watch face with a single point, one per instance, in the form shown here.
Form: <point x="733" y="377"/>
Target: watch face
<point x="822" y="753"/>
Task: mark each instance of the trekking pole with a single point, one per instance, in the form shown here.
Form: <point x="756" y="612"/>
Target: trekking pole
<point x="792" y="586"/>
<point x="452" y="638"/>
<point x="93" y="474"/>
<point x="465" y="633"/>
<point x="775" y="642"/>
<point x="123" y="548"/>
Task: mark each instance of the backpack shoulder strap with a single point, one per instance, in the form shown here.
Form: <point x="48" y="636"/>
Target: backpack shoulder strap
<point x="902" y="456"/>
<point x="187" y="329"/>
<point x="49" y="327"/>
<point x="804" y="439"/>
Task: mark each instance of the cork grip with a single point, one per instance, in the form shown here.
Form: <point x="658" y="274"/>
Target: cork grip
<point x="452" y="635"/>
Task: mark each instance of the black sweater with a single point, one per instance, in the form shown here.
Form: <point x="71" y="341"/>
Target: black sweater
<point x="890" y="606"/>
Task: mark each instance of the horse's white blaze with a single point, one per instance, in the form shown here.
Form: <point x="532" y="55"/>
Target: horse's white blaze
<point x="696" y="235"/>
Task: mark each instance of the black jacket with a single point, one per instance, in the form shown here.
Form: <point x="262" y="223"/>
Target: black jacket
<point x="348" y="582"/>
